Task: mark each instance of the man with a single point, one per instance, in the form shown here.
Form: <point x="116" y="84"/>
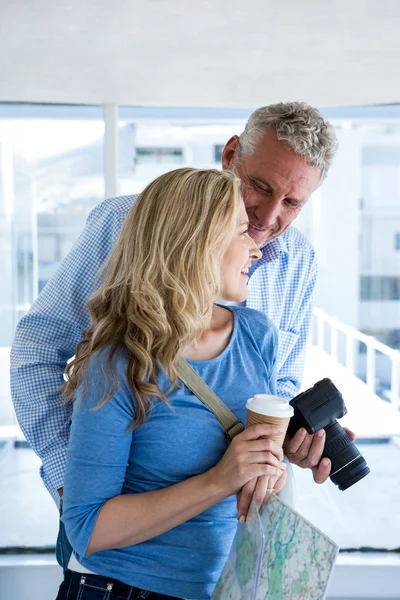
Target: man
<point x="282" y="156"/>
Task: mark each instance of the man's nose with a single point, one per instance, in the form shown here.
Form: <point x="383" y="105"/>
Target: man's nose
<point x="268" y="212"/>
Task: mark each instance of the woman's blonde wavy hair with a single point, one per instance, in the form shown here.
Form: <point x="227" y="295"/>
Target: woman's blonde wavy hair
<point x="159" y="282"/>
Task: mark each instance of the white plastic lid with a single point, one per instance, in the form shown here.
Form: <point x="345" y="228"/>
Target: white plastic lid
<point x="270" y="406"/>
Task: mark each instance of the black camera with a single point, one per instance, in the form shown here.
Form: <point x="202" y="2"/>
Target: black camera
<point x="318" y="408"/>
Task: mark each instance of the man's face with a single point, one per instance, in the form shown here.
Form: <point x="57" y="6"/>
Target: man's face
<point x="276" y="184"/>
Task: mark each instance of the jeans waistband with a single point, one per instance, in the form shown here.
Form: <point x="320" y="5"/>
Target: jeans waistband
<point x="114" y="586"/>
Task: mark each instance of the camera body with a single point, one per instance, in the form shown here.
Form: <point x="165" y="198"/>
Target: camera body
<point x="318" y="408"/>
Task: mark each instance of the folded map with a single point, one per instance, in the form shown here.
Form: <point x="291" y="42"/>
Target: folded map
<point x="277" y="555"/>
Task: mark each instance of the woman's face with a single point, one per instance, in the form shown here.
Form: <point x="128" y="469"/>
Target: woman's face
<point x="237" y="259"/>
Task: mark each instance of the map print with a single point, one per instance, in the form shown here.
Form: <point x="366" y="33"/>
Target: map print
<point x="241" y="572"/>
<point x="277" y="555"/>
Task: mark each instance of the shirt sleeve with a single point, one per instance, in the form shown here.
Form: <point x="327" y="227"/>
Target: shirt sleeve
<point x="290" y="373"/>
<point x="47" y="337"/>
<point x="98" y="455"/>
<point x="271" y="351"/>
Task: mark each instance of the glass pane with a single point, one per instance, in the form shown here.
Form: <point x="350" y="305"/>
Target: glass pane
<point x="353" y="221"/>
<point x="150" y="147"/>
<point x="51" y="176"/>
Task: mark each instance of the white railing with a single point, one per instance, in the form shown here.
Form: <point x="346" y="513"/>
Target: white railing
<point x="323" y="321"/>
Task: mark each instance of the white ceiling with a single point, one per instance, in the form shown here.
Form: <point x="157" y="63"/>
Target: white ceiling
<point x="204" y="53"/>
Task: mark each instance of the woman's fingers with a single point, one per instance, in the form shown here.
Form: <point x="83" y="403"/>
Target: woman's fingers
<point x="266" y="458"/>
<point x="248" y="456"/>
<point x="256" y="431"/>
<point x="280" y="483"/>
<point x="244" y="498"/>
<point x="263" y="490"/>
<point x="259" y="445"/>
<point x="263" y="469"/>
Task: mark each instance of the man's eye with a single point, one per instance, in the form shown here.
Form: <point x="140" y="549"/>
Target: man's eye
<point x="259" y="188"/>
<point x="291" y="203"/>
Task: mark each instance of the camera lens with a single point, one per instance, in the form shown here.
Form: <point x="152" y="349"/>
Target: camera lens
<point x="348" y="465"/>
<point x="351" y="473"/>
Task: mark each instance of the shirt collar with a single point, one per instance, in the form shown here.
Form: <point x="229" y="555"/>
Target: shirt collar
<point x="270" y="252"/>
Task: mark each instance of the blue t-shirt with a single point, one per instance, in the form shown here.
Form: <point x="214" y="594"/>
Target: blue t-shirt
<point x="177" y="442"/>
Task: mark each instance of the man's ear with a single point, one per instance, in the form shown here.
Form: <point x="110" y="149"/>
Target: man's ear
<point x="229" y="152"/>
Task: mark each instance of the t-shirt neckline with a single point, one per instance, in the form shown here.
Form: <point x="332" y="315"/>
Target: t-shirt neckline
<point x="229" y="345"/>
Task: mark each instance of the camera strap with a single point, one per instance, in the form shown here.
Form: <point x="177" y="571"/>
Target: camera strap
<point x="230" y="424"/>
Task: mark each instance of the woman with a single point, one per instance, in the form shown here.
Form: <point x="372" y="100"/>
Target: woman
<point x="150" y="482"/>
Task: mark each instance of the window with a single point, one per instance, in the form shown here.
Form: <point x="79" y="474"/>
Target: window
<point x="157" y="156"/>
<point x="359" y="286"/>
<point x="397" y="241"/>
<point x="389" y="337"/>
<point x="57" y="178"/>
<point x="218" y="149"/>
<point x="52" y="175"/>
<point x="380" y="288"/>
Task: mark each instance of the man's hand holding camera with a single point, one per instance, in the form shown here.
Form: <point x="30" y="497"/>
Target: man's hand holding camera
<point x="305" y="451"/>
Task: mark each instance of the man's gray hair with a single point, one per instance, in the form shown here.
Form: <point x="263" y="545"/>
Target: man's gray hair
<point x="299" y="126"/>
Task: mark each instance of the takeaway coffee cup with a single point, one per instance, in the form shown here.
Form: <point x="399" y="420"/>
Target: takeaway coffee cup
<point x="273" y="410"/>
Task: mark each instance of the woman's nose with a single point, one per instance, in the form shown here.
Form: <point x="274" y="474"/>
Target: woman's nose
<point x="255" y="252"/>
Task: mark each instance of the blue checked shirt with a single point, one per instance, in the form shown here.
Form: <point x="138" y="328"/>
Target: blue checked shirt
<point x="281" y="285"/>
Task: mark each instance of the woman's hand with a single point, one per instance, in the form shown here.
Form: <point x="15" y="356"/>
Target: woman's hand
<point x="249" y="457"/>
<point x="262" y="487"/>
